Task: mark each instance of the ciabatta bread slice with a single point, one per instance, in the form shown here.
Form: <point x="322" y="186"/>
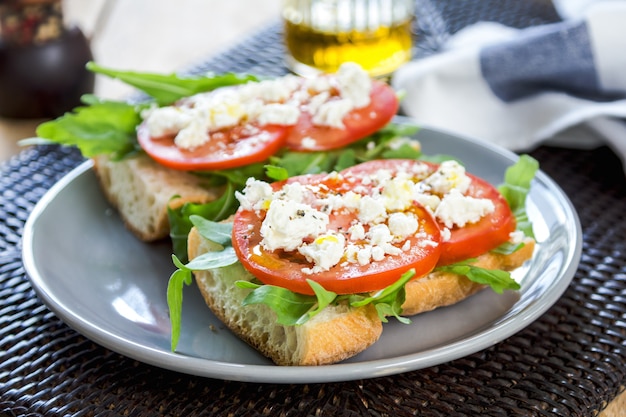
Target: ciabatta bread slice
<point x="141" y="190"/>
<point x="338" y="332"/>
<point x="335" y="334"/>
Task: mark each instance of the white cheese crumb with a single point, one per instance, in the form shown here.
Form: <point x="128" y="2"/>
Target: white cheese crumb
<point x="357" y="232"/>
<point x="308" y="143"/>
<point x="354" y="84"/>
<point x="166" y="121"/>
<point x="193" y="135"/>
<point x="332" y="112"/>
<point x="403" y="225"/>
<point x="516" y="237"/>
<point x="450" y="175"/>
<point x="457" y="209"/>
<point x="371" y="210"/>
<point x="254" y="195"/>
<point x="398" y="194"/>
<point x="278" y="114"/>
<point x="287" y="224"/>
<point x="325" y="252"/>
<point x="380" y="234"/>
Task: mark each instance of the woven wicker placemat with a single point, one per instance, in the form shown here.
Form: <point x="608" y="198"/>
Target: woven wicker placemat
<point x="570" y="362"/>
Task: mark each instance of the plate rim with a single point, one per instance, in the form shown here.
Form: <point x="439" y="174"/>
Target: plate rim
<point x="502" y="328"/>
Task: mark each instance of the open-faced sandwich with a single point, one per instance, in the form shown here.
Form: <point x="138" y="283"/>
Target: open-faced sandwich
<point x="306" y="216"/>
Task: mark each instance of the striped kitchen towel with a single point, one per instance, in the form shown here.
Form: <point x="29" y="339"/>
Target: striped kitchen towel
<point x="519" y="88"/>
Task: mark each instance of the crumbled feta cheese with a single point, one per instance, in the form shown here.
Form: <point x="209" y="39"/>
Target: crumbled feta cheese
<point x="317" y="101"/>
<point x="457" y="209"/>
<point x="325" y="252"/>
<point x="292" y="192"/>
<point x="398" y="142"/>
<point x="371" y="210"/>
<point x="430" y="201"/>
<point x="380" y="235"/>
<point x="286" y="224"/>
<point x="402" y="225"/>
<point x="308" y="143"/>
<point x="450" y="175"/>
<point x="517" y="237"/>
<point x="378" y="253"/>
<point x="398" y="194"/>
<point x="357" y="232"/>
<point x="193" y="135"/>
<point x="354" y="84"/>
<point x="166" y="121"/>
<point x="255" y="195"/>
<point x="318" y="84"/>
<point x="275" y="90"/>
<point x="278" y="114"/>
<point x="364" y="255"/>
<point x="332" y="112"/>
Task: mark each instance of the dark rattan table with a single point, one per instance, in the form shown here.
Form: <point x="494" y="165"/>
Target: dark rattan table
<point x="570" y="362"/>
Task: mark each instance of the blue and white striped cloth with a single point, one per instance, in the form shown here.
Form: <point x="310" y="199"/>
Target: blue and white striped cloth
<point x="519" y="88"/>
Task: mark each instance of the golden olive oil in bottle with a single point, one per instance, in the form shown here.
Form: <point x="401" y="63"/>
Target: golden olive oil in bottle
<point x="320" y="35"/>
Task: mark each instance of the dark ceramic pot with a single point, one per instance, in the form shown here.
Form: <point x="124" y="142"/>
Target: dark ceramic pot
<point x="44" y="80"/>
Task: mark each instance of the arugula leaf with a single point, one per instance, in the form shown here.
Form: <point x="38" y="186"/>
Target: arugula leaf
<point x="346" y="159"/>
<point x="105" y="127"/>
<point x="324" y="298"/>
<point x="276" y="173"/>
<point x="299" y="163"/>
<point x="182" y="276"/>
<point x="167" y="88"/>
<point x="497" y="279"/>
<point x="291" y="308"/>
<point x="236" y="176"/>
<point x="220" y="233"/>
<point x="404" y="151"/>
<point x="213" y="260"/>
<point x="388" y="301"/>
<point x="508" y="248"/>
<point x="180" y="222"/>
<point x="515" y="189"/>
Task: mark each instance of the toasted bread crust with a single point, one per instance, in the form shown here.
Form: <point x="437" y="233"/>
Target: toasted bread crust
<point x="141" y="190"/>
<point x="335" y="334"/>
<point x="339" y="332"/>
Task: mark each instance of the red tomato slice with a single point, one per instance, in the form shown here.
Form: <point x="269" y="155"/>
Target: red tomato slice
<point x="358" y="123"/>
<point x="473" y="239"/>
<point x="488" y="233"/>
<point x="285" y="269"/>
<point x="227" y="148"/>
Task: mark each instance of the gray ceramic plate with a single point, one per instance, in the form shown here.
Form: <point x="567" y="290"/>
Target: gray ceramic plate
<point x="110" y="287"/>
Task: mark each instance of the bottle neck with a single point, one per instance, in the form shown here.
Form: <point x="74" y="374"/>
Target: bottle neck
<point x="27" y="22"/>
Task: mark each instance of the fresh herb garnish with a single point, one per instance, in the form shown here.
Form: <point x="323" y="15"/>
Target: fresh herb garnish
<point x="165" y="89"/>
<point x="515" y="189"/>
<point x="497" y="279"/>
<point x="223" y="255"/>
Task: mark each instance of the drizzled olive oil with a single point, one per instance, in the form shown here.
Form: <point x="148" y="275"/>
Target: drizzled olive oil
<point x="320" y="35"/>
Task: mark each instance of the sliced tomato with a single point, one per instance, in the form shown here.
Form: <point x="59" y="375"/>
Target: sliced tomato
<point x="488" y="233"/>
<point x="470" y="240"/>
<point x="287" y="269"/>
<point x="228" y="148"/>
<point x="306" y="136"/>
